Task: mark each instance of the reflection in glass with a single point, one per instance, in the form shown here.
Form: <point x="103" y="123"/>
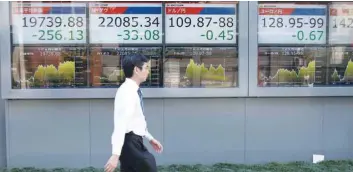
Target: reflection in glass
<point x="106" y="69"/>
<point x="201" y="67"/>
<point x="283" y="23"/>
<point x="49" y="67"/>
<point x="341" y="66"/>
<point x="291" y="66"/>
<point x="340" y="23"/>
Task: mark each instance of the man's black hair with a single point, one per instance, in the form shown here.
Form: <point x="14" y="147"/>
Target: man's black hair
<point x="129" y="62"/>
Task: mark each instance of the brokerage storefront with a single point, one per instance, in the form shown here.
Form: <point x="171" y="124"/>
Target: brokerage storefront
<point x="260" y="72"/>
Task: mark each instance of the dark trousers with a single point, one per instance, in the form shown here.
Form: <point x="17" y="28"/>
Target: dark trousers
<point x="135" y="157"/>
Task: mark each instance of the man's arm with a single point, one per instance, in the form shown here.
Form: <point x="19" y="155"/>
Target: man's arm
<point x="123" y="110"/>
<point x="148" y="135"/>
<point x="157" y="146"/>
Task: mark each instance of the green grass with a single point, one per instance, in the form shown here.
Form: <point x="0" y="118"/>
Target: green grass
<point x="325" y="166"/>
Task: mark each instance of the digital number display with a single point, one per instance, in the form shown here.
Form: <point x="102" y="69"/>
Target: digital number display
<point x="132" y="23"/>
<point x="291" y="66"/>
<point x="291" y="24"/>
<point x="49" y="67"/>
<point x="48" y="23"/>
<point x="341" y="24"/>
<point x="200" y="23"/>
<point x="106" y="68"/>
<point x="201" y="67"/>
<point x="341" y="66"/>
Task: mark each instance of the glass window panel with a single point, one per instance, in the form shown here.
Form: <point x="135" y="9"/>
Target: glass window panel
<point x="291" y="66"/>
<point x="293" y="44"/>
<point x="205" y="53"/>
<point x="49" y="67"/>
<point x="341" y="66"/>
<point x="53" y="47"/>
<point x="106" y="69"/>
<point x="201" y="67"/>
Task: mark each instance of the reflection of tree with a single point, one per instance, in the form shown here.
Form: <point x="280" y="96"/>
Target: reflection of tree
<point x="201" y="67"/>
<point x="47" y="67"/>
<point x="288" y="66"/>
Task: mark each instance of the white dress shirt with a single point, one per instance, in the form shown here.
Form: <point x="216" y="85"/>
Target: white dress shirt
<point x="128" y="115"/>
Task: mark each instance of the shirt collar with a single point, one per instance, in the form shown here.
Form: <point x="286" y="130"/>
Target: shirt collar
<point x="132" y="84"/>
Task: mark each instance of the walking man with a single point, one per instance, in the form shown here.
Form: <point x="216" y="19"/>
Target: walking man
<point x="129" y="121"/>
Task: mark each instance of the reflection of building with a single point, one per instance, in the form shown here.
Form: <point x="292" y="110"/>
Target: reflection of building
<point x="297" y="62"/>
<point x="104" y="64"/>
<point x="96" y="65"/>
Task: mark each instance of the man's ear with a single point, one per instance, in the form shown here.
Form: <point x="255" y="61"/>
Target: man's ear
<point x="136" y="69"/>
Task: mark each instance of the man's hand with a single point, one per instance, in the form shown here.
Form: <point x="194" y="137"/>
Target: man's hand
<point x="112" y="163"/>
<point x="156" y="145"/>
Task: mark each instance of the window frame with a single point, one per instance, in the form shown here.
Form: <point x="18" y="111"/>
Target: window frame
<point x="86" y="93"/>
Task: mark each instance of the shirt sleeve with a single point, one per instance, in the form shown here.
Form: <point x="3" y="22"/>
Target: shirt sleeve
<point x="123" y="110"/>
<point x="148" y="135"/>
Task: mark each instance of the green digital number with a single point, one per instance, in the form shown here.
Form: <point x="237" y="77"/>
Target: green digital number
<point x="222" y="35"/>
<point x="50" y="35"/>
<point x="58" y="36"/>
<point x="312" y="35"/>
<point x="79" y="35"/>
<point x="226" y="35"/>
<point x="151" y="35"/>
<point x="136" y="35"/>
